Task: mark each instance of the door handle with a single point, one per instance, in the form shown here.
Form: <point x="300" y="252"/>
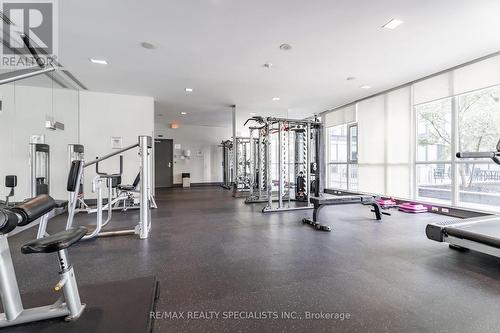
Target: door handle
<point x="169" y="164"/>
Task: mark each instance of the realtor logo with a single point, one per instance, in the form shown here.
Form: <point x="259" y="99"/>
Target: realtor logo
<point x="37" y="20"/>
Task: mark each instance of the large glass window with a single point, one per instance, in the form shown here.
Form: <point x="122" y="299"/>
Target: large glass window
<point x="434" y="182"/>
<point x="478" y="130"/>
<point x="337" y="144"/>
<point x="434" y="131"/>
<point x="342" y="154"/>
<point x="353" y="143"/>
<point x="407" y="139"/>
<point x="434" y="144"/>
<point x="473" y="183"/>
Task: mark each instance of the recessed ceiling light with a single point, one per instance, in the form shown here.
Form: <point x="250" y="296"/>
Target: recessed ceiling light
<point x="184" y="113"/>
<point x="189" y="90"/>
<point x="276" y="98"/>
<point x="147" y="45"/>
<point x="365" y="86"/>
<point x="285" y="47"/>
<point x="392" y="24"/>
<point x="350" y="78"/>
<point x="98" y="61"/>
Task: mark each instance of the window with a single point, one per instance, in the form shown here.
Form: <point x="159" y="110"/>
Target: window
<point x="471" y="183"/>
<point x="478" y="130"/>
<point x="353" y="143"/>
<point x="342" y="154"/>
<point x="434" y="142"/>
<point x="434" y="131"/>
<point x="337" y="144"/>
<point x="403" y="142"/>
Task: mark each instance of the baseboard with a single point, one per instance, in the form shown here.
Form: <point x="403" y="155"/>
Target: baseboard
<point x="198" y="184"/>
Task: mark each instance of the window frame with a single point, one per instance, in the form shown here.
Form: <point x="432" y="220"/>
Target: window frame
<point x="348" y="161"/>
<point x="454" y="162"/>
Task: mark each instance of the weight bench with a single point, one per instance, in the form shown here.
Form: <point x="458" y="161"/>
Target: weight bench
<point x="329" y="200"/>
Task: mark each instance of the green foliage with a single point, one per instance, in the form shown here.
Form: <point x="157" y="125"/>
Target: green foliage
<point x="478" y="121"/>
<point x="478" y="124"/>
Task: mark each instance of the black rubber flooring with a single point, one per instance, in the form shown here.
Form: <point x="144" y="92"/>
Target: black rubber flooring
<point x="211" y="252"/>
<point x="120" y="306"/>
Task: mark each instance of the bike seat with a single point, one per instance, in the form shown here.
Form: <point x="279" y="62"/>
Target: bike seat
<point x="53" y="243"/>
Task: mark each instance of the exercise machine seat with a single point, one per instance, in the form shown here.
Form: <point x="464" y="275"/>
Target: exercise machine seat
<point x="133" y="186"/>
<point x="126" y="187"/>
<point x="56" y="242"/>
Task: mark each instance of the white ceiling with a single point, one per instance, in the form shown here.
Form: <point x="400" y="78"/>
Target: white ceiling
<point x="218" y="48"/>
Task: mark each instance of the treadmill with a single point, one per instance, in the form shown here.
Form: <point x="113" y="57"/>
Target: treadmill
<point x="480" y="234"/>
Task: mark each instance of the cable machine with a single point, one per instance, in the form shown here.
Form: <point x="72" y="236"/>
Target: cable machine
<point x="39" y="169"/>
<point x="227" y="164"/>
<point x="258" y="166"/>
<point x="288" y="156"/>
<point x="241" y="182"/>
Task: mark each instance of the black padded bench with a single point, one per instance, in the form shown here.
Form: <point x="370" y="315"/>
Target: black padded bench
<point x="329" y="199"/>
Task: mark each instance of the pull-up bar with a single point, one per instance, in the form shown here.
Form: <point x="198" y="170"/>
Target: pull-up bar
<point x="105" y="157"/>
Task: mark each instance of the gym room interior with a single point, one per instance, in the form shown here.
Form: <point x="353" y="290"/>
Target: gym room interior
<point x="250" y="166"/>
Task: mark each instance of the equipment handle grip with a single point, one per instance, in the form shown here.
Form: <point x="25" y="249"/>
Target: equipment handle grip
<point x="121" y="165"/>
<point x="476" y="154"/>
<point x="97" y="167"/>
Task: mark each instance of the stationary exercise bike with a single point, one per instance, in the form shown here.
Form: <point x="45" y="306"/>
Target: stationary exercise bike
<point x="69" y="304"/>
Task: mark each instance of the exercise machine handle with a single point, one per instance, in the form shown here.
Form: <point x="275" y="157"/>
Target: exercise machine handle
<point x="107" y="174"/>
<point x="494" y="155"/>
<point x="490" y="154"/>
<point x="258" y="119"/>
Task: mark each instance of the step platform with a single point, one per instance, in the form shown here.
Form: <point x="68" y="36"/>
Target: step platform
<point x="118" y="306"/>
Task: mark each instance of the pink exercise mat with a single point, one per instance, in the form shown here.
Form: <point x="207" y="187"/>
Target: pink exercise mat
<point x="386" y="203"/>
<point x="409" y="207"/>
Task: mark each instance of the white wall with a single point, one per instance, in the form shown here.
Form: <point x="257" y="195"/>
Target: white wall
<point x="24" y="111"/>
<point x="205" y="164"/>
<point x="90" y="119"/>
<point x="103" y="116"/>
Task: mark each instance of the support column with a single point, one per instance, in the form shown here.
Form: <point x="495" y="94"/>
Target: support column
<point x="145" y="143"/>
<point x="235" y="153"/>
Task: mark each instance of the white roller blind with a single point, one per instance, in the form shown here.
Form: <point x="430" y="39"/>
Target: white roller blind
<point x="341" y="116"/>
<point x="371" y="128"/>
<point x="398" y="125"/>
<point x="431" y="89"/>
<point x="371" y="141"/>
<point x="476" y="76"/>
<point x="371" y="179"/>
<point x="398" y="181"/>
